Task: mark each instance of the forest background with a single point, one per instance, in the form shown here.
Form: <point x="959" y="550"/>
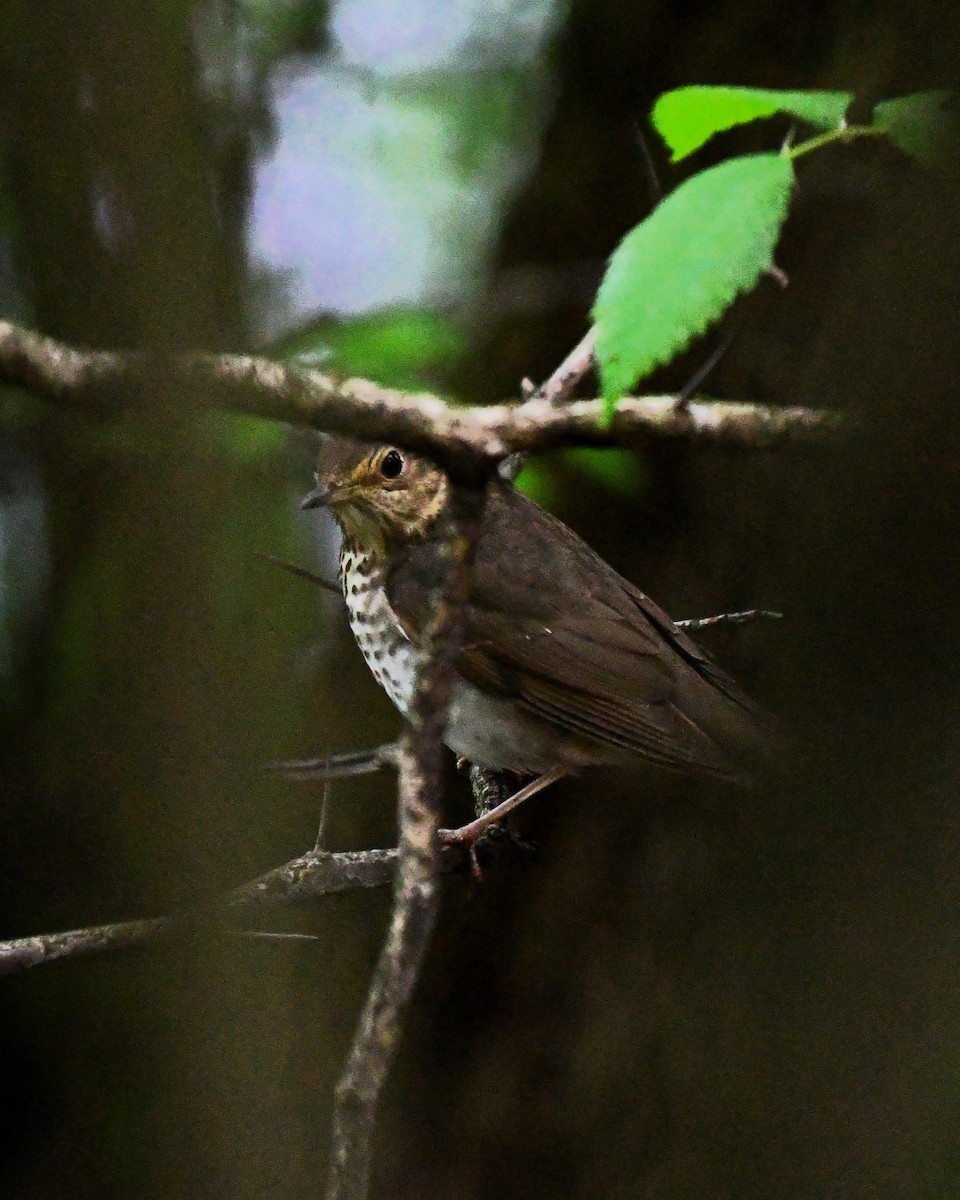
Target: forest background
<point x="690" y="991"/>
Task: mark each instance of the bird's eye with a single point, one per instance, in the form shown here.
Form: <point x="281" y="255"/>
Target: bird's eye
<point x="391" y="464"/>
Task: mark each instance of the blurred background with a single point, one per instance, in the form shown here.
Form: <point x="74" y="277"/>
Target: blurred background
<point x="689" y="991"/>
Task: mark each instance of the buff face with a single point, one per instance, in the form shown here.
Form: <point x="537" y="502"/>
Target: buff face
<point x="378" y="494"/>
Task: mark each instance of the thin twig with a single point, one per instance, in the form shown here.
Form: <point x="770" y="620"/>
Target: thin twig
<point x="318" y="873"/>
<point x="735" y="618"/>
<point x="338" y="766"/>
<point x="559" y="387"/>
<point x="19" y="954"/>
<point x="693" y="384"/>
<point x="320" y="841"/>
<point x="300" y="572"/>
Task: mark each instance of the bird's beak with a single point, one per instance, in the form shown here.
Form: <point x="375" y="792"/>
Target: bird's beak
<point x="318" y="498"/>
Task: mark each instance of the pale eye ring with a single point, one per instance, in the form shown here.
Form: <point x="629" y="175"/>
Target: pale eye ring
<point x="391" y="465"/>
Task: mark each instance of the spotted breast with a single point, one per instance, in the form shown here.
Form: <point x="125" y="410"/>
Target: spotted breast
<point x="479" y="727"/>
<point x="389" y="654"/>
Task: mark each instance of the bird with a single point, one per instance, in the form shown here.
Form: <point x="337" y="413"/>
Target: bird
<point x="565" y="665"/>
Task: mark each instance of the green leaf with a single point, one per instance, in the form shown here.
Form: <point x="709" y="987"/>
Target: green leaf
<point x="681" y="268"/>
<point x="917" y="124"/>
<point x="688" y="117"/>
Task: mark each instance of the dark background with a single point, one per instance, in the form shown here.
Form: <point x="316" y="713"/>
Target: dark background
<point x="690" y="991"/>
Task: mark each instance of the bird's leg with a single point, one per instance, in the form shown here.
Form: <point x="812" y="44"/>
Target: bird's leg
<point x="467" y="834"/>
<point x="490" y="787"/>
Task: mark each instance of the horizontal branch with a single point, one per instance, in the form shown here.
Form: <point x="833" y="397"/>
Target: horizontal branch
<point x="101" y="382"/>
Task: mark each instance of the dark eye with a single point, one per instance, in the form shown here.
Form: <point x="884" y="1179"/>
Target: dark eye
<point x="391" y="464"/>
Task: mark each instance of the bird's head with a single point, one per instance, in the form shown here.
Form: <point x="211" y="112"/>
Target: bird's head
<point x="380" y="495"/>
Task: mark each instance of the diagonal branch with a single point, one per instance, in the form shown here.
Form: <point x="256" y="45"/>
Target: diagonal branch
<point x="465" y="440"/>
<point x="310" y="875"/>
<point x="318" y="873"/>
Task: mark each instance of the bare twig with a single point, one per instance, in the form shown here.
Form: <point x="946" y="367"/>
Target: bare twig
<point x="465" y="440"/>
<point x="693" y="384"/>
<point x="415" y="899"/>
<point x="559" y="387"/>
<point x="300" y="572"/>
<point x="735" y="618"/>
<point x="19" y="954"/>
<point x="338" y="766"/>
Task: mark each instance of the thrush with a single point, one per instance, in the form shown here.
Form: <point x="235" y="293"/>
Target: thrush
<point x="564" y="665"/>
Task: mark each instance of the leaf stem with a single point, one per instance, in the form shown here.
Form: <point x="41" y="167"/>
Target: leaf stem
<point x="843" y="133"/>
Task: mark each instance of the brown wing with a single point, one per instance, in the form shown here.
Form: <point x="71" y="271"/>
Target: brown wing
<point x="552" y="626"/>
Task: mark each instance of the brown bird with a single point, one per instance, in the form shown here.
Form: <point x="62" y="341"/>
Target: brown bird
<point x="565" y="664"/>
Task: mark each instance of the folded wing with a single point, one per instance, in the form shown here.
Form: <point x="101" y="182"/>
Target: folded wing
<point x="553" y="627"/>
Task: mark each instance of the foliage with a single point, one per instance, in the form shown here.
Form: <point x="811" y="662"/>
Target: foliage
<point x="917" y="124"/>
<point x="688" y="117"/>
<point x="681" y="268"/>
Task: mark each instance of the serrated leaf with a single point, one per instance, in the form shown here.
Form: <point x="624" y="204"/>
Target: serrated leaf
<point x="688" y="117"/>
<point x="680" y="269"/>
<point x="917" y="124"/>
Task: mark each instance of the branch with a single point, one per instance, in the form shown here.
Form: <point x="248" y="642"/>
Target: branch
<point x="318" y="873"/>
<point x="460" y="438"/>
<point x="415" y="898"/>
<point x="301" y="572"/>
<point x="560" y="386"/>
<point x="314" y="874"/>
